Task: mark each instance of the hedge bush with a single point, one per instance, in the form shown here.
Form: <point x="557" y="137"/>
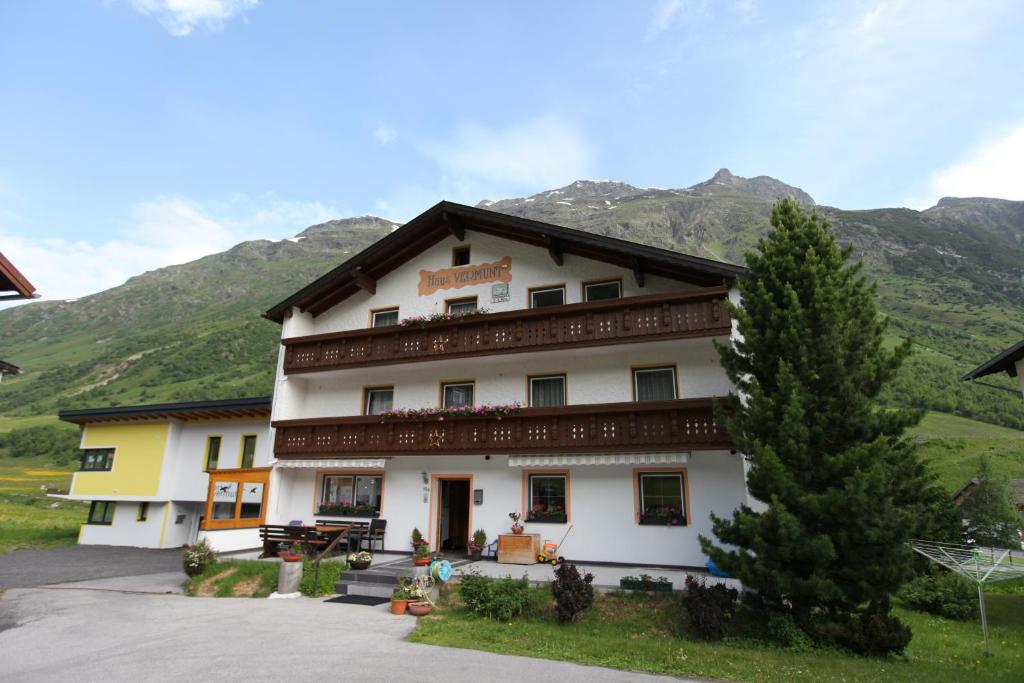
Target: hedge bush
<point x="709" y="607"/>
<point x="946" y="594"/>
<point x="502" y="599"/>
<point x="574" y="592"/>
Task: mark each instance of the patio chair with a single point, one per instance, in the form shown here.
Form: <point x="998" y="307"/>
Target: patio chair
<point x="375" y="534"/>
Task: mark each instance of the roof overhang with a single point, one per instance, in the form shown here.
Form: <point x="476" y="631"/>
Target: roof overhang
<point x="570" y="460"/>
<point x="447" y="218"/>
<point x="228" y="409"/>
<point x="13" y="285"/>
<point x="1003" y="362"/>
<point x="9" y="368"/>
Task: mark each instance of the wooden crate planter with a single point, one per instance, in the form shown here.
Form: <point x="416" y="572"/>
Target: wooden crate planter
<point x="518" y="548"/>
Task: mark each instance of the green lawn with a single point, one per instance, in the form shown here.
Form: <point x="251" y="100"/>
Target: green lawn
<point x="952" y="445"/>
<point x="643" y="634"/>
<point x="26" y="518"/>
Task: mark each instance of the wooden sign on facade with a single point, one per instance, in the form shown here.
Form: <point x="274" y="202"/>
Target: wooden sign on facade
<point x="464" y="276"/>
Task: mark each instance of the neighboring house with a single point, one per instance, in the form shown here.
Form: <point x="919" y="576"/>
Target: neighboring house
<point x="1010" y="361"/>
<point x="13" y="285"/>
<point x="154" y="473"/>
<point x="1016" y="484"/>
<point x="566" y="375"/>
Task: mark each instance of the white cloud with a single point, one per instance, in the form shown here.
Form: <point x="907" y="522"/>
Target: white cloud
<point x="995" y="169"/>
<point x="533" y="155"/>
<point x="181" y="17"/>
<point x="668" y="13"/>
<point x="154" y="234"/>
<point x="385" y="134"/>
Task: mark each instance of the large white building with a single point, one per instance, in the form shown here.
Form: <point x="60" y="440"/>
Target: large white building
<point x="472" y="364"/>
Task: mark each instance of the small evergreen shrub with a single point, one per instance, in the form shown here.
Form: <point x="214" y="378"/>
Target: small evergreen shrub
<point x="783" y="630"/>
<point x="197" y="557"/>
<point x="946" y="594"/>
<point x="502" y="599"/>
<point x="709" y="607"/>
<point x="574" y="592"/>
<point x="867" y="633"/>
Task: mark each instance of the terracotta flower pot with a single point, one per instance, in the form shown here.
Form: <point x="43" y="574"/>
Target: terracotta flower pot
<point x="422" y="561"/>
<point x="289" y="557"/>
<point x="517" y="528"/>
<point x="419" y="609"/>
<point x="398" y="606"/>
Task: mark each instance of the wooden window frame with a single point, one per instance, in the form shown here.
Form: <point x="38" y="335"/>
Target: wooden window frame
<point x="658" y="366"/>
<point x="603" y="281"/>
<point x="682" y="471"/>
<point x="241" y="451"/>
<point x="255" y="475"/>
<point x="318" y="483"/>
<point x="547" y="375"/>
<point x="142" y="511"/>
<point x="385" y="309"/>
<point x="106" y="503"/>
<point x="530" y="291"/>
<point x="448" y="303"/>
<point x="206" y="457"/>
<point x="454" y="382"/>
<point x="527" y="473"/>
<point x="459" y="249"/>
<point x="110" y="460"/>
<point x="375" y="387"/>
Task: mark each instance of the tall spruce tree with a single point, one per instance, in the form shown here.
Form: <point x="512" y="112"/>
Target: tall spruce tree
<point x="843" y="492"/>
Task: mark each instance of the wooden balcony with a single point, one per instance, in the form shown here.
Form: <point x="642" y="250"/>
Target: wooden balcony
<point x="655" y="317"/>
<point x="651" y="426"/>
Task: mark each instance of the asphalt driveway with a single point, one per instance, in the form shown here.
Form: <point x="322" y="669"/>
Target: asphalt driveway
<point x="25" y="568"/>
<point x="51" y="634"/>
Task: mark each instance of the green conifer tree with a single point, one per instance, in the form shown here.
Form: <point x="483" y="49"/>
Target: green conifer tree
<point x="990" y="518"/>
<point x="843" y="492"/>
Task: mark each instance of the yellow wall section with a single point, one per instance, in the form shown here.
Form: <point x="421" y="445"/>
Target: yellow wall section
<point x="137" y="460"/>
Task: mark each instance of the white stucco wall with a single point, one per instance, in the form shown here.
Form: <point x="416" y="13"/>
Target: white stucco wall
<point x="531" y="267"/>
<point x="125" y="530"/>
<point x="231" y="540"/>
<point x="601" y="505"/>
<point x="593" y="375"/>
<point x="185" y="479"/>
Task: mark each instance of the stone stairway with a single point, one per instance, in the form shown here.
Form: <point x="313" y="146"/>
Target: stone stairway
<point x="379" y="580"/>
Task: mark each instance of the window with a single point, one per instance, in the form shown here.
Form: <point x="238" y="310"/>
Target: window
<point x="596" y="291"/>
<point x="248" y="450"/>
<point x="385" y="317"/>
<point x="97" y="459"/>
<point x="377" y="400"/>
<point x="547" y="391"/>
<point x="456" y="395"/>
<point x="142" y="513"/>
<point x="654" y="384"/>
<point x="236" y="499"/>
<point x="460" y="256"/>
<point x="212" y="452"/>
<point x="462" y="306"/>
<point x="661" y="498"/>
<point x="101" y="512"/>
<point x="548" y="296"/>
<point x="547" y="496"/>
<point x="351" y="495"/>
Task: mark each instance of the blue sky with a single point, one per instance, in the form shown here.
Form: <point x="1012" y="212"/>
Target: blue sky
<point x="139" y="133"/>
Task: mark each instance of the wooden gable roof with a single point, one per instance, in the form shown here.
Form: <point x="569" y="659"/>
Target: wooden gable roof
<point x="223" y="409"/>
<point x="13" y="285"/>
<point x="447" y="218"/>
<point x="1003" y="362"/>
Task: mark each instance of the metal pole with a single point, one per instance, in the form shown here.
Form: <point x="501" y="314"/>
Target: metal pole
<point x="984" y="618"/>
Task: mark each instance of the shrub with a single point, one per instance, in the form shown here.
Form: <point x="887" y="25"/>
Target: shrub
<point x="946" y="594"/>
<point x="197" y="557"/>
<point x="783" y="630"/>
<point x="709" y="607"/>
<point x="330" y="573"/>
<point x="502" y="599"/>
<point x="573" y="592"/>
<point x="867" y="633"/>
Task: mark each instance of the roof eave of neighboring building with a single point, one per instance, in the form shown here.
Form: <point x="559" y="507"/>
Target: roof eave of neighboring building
<point x="11" y="279"/>
<point x="1002" y="362"/>
<point x="232" y="408"/>
<point x="9" y="368"/>
<point x="449" y="218"/>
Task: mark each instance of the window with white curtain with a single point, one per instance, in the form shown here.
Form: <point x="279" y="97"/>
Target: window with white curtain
<point x="654" y="384"/>
<point x="547" y="390"/>
<point x="462" y="306"/>
<point x="379" y="399"/>
<point x="385" y="318"/>
<point x="456" y="395"/>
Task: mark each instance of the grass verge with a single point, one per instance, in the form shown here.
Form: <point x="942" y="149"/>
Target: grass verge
<point x="29" y="522"/>
<point x="255" y="579"/>
<point x="642" y="633"/>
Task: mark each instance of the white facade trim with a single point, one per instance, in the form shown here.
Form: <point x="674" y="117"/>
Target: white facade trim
<point x="343" y="463"/>
<point x="611" y="459"/>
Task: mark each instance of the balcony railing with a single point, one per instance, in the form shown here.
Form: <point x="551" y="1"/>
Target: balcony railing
<point x="686" y="424"/>
<point x="653" y="317"/>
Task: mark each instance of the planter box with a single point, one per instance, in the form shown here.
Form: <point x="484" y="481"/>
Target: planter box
<point x="518" y="548"/>
<point x="364" y="515"/>
<point x="647" y="586"/>
<point x="548" y="519"/>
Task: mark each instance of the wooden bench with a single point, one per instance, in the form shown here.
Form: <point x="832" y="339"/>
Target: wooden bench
<point x="274" y="536"/>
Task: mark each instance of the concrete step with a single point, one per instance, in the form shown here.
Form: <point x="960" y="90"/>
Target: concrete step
<point x="369" y="589"/>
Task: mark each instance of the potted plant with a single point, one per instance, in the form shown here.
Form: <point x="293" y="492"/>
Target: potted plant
<point x="292" y="554"/>
<point x="421" y="555"/>
<point x="517" y="528"/>
<point x="476" y="546"/>
<point x="399" y="601"/>
<point x="417" y="539"/>
<point x="419" y="609"/>
<point x="360" y="560"/>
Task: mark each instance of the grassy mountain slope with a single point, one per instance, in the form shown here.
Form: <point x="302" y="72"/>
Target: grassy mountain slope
<point x="950" y="276"/>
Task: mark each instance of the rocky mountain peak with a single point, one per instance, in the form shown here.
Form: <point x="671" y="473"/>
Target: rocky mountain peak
<point x="762" y="186"/>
